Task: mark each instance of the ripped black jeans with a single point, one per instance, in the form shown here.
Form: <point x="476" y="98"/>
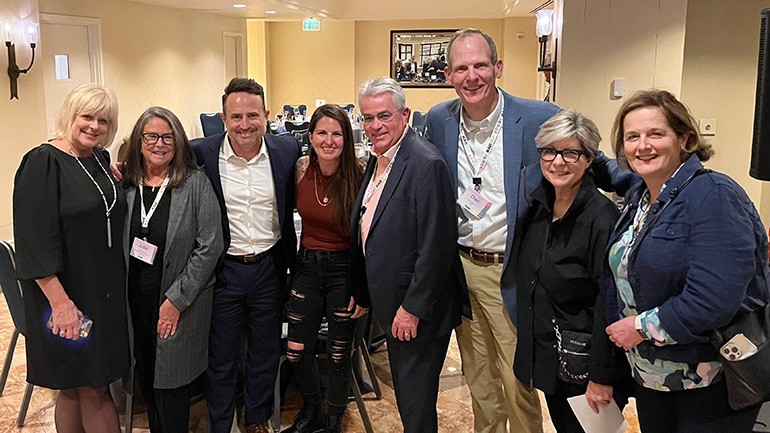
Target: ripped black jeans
<point x="321" y="289"/>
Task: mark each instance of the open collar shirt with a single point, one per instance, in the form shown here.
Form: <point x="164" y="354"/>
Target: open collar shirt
<point x="489" y="232"/>
<point x="250" y="200"/>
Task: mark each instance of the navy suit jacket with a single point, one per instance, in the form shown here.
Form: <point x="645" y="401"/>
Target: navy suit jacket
<point x="411" y="250"/>
<point x="283" y="152"/>
<point x="521" y="165"/>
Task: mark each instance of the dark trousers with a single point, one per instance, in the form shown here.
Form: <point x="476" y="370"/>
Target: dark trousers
<point x="168" y="410"/>
<point x="416" y="368"/>
<point x="251" y="301"/>
<point x="564" y="418"/>
<point x="701" y="410"/>
<point x="321" y="289"/>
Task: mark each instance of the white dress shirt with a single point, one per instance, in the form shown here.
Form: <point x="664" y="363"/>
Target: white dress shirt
<point x="489" y="232"/>
<point x="249" y="194"/>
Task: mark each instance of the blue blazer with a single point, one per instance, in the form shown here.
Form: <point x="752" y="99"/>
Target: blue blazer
<point x="411" y="250"/>
<point x="702" y="261"/>
<point x="284" y="152"/>
<point x="521" y="122"/>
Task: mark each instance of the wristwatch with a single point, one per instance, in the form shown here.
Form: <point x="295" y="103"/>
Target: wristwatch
<point x="638" y="326"/>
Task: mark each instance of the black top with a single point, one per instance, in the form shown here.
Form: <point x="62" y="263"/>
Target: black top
<point x="558" y="265"/>
<point x="144" y="278"/>
<point x="60" y="228"/>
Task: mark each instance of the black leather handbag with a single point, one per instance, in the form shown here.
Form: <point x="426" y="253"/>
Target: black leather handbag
<point x="747" y="377"/>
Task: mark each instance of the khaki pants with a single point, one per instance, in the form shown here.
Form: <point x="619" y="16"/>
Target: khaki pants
<point x="487" y="345"/>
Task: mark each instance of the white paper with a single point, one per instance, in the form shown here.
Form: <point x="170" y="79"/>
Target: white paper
<point x="608" y="420"/>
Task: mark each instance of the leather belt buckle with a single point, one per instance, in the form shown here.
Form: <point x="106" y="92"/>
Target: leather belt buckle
<point x="248" y="258"/>
<point x="483" y="256"/>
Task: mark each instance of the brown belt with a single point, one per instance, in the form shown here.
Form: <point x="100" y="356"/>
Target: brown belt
<point x="248" y="258"/>
<point x="482" y="256"/>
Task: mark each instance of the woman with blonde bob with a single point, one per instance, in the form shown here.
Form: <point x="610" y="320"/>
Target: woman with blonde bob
<point x="68" y="223"/>
<point x="687" y="255"/>
<point x="558" y="251"/>
<point x="172" y="211"/>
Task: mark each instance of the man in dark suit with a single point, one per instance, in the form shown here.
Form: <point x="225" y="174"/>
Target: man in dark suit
<point x="404" y="261"/>
<point x="253" y="178"/>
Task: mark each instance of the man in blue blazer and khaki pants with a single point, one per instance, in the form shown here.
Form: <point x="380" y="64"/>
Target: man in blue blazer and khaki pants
<point x="253" y="178"/>
<point x="487" y="138"/>
<point x="404" y="261"/>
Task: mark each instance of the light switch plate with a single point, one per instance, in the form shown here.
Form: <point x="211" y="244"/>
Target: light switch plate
<point x="707" y="126"/>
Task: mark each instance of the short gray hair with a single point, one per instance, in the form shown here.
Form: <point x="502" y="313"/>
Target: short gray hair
<point x="378" y="86"/>
<point x="566" y="124"/>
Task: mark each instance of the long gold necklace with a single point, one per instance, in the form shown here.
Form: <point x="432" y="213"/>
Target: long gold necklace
<point x="326" y="199"/>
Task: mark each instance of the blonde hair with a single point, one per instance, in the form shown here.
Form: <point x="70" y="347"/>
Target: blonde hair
<point x="89" y="99"/>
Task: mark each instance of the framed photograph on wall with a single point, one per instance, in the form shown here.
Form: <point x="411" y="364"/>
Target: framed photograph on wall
<point x="418" y="57"/>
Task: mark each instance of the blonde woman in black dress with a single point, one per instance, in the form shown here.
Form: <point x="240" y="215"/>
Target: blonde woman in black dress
<point x="68" y="223"/>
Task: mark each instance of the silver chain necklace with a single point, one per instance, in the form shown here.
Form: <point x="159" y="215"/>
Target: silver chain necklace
<point x="107" y="209"/>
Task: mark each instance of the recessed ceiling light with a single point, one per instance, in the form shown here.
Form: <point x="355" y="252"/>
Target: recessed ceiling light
<point x="239" y="5"/>
<point x="270" y="12"/>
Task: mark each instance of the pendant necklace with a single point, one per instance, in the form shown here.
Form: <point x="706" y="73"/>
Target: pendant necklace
<point x="107" y="208"/>
<point x="326" y="199"/>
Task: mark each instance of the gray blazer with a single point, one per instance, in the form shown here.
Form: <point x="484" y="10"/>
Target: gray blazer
<point x="193" y="246"/>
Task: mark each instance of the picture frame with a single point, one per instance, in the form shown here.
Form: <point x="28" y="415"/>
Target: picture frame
<point x="418" y="57"/>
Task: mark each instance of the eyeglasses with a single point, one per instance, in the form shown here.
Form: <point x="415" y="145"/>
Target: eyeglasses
<point x="152" y="138"/>
<point x="383" y="117"/>
<point x="570" y="156"/>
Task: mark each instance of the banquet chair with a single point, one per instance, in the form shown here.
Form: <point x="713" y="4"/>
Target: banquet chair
<point x="419" y="122"/>
<point x="13" y="289"/>
<point x="212" y="124"/>
<point x="288" y="111"/>
<point x="302" y="110"/>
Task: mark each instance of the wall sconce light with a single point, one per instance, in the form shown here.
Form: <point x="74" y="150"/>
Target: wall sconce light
<point x="544" y="29"/>
<point x="30" y="33"/>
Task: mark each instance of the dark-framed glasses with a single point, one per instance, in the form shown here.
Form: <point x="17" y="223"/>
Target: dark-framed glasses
<point x="548" y="154"/>
<point x="152" y="138"/>
<point x="383" y="117"/>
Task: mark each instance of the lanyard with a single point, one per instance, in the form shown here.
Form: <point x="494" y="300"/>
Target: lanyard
<point x="476" y="170"/>
<point x="147" y="215"/>
<point x="373" y="187"/>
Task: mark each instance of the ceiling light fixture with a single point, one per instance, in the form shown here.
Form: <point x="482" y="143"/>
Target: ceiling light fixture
<point x="239" y="5"/>
<point x="270" y="12"/>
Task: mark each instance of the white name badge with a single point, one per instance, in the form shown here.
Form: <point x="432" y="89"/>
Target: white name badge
<point x="474" y="203"/>
<point x="143" y="251"/>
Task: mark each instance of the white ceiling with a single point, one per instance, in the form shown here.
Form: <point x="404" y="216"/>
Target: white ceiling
<point x="359" y="10"/>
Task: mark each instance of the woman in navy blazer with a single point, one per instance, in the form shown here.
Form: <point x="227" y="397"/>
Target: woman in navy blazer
<point x="688" y="253"/>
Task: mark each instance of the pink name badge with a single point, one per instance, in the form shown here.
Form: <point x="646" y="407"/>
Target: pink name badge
<point x="143" y="251"/>
<point x="474" y="203"/>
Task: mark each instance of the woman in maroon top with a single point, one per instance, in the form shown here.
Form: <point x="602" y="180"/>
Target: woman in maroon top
<point x="327" y="183"/>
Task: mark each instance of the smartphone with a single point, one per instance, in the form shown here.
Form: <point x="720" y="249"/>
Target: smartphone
<point x="737" y="348"/>
<point x="85" y="325"/>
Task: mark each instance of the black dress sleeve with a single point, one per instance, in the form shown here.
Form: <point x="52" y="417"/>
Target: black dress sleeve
<point x="36" y="228"/>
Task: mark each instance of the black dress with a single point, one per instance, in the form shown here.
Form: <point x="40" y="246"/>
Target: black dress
<point x="60" y="228"/>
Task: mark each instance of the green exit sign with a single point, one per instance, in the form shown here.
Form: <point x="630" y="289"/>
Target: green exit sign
<point x="311" y="25"/>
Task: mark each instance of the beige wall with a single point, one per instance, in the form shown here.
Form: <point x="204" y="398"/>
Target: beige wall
<point x="719" y="81"/>
<point x="305" y="66"/>
<point x="151" y="56"/>
<point x="332" y="63"/>
<point x="602" y="40"/>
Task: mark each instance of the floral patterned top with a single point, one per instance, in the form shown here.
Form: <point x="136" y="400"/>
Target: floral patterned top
<point x="659" y="374"/>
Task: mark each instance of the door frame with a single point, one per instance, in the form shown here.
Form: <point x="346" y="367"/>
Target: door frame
<point x="94" y="26"/>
